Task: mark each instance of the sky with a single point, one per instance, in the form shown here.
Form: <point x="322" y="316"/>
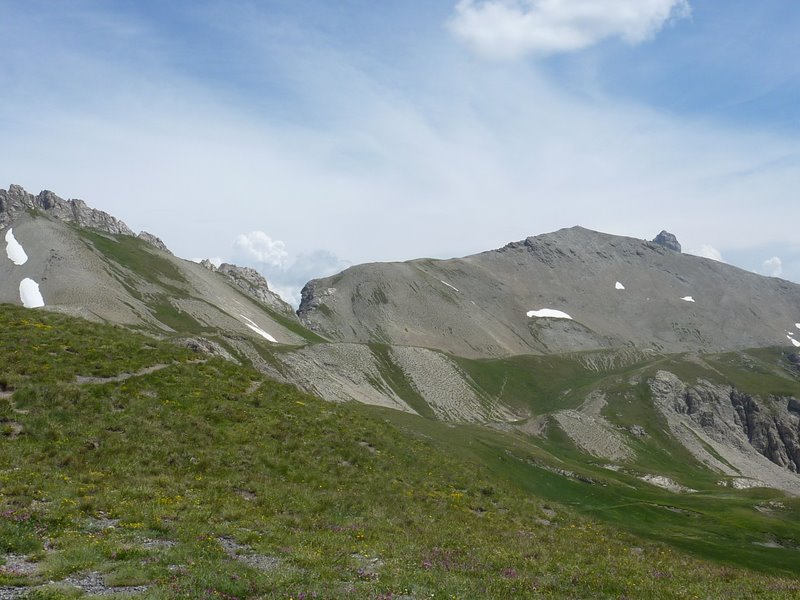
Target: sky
<point x="302" y="136"/>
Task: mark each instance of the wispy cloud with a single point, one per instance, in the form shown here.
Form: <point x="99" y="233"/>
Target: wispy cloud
<point x="448" y="157"/>
<point x="772" y="267"/>
<point x="707" y="251"/>
<point x="504" y="29"/>
<point x="259" y="247"/>
<point x="286" y="273"/>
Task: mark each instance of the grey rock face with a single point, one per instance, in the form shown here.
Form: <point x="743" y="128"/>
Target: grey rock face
<point x="770" y="425"/>
<point x="774" y="433"/>
<point x="206" y="346"/>
<point x="668" y="241"/>
<point x="153" y="241"/>
<point x="751" y="438"/>
<point x="208" y="265"/>
<point x="620" y="292"/>
<point x="254" y="284"/>
<point x="16" y="200"/>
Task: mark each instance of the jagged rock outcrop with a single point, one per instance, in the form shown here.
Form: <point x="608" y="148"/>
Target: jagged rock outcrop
<point x="668" y="241"/>
<point x="153" y="241"/>
<point x="205" y="346"/>
<point x="734" y="423"/>
<point x="771" y="427"/>
<point x="253" y="283"/>
<point x="16" y="200"/>
<point x="208" y="265"/>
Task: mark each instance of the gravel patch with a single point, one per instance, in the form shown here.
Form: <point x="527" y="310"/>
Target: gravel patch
<point x="16" y="564"/>
<point x="340" y="373"/>
<point x="446" y="388"/>
<point x="93" y="584"/>
<point x="244" y="554"/>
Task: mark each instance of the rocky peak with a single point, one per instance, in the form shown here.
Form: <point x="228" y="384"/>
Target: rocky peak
<point x="252" y="283"/>
<point x="667" y="240"/>
<point x="16" y="201"/>
<point x="153" y="241"/>
<point x="208" y="265"/>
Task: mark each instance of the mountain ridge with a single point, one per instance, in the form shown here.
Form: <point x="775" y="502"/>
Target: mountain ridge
<point x="635" y="383"/>
<point x="677" y="302"/>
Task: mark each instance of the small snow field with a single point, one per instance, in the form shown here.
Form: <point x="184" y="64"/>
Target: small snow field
<point x="29" y="294"/>
<point x="619" y="286"/>
<point x="448" y="285"/>
<point x="15" y="252"/>
<point x="548" y="313"/>
<point x="797" y="325"/>
<point x="795" y="343"/>
<point x="687" y="299"/>
<point x="258" y="330"/>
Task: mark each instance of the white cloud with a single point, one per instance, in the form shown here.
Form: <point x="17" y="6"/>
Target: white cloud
<point x="286" y="274"/>
<point x="457" y="157"/>
<point x="261" y="248"/>
<point x="505" y="29"/>
<point x="708" y="251"/>
<point x="288" y="281"/>
<point x="772" y="267"/>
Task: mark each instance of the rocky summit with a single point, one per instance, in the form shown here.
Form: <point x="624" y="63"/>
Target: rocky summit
<point x="16" y="201"/>
<point x="668" y="241"/>
<point x="609" y="292"/>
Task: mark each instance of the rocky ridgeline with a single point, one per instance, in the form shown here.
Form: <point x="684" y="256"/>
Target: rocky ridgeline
<point x="252" y="283"/>
<point x="735" y="420"/>
<point x="16" y="200"/>
<point x="617" y="292"/>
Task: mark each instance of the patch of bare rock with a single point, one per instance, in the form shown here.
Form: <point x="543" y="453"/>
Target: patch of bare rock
<point x="244" y="554"/>
<point x="93" y="584"/>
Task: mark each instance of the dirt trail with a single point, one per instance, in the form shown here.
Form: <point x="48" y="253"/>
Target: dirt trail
<point x="81" y="380"/>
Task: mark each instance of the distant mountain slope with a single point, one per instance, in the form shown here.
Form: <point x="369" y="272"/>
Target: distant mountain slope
<point x="484" y="340"/>
<point x="81" y="261"/>
<point x="619" y="291"/>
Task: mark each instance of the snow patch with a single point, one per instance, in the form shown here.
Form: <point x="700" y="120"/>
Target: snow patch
<point x="687" y="299"/>
<point x="258" y="330"/>
<point x="448" y="285"/>
<point x="14" y="250"/>
<point x="795" y="343"/>
<point x="797" y="325"/>
<point x="550" y="313"/>
<point x="619" y="286"/>
<point x="29" y="294"/>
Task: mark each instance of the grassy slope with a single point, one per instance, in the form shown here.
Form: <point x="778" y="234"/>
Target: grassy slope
<point x="717" y="523"/>
<point x="140" y="261"/>
<point x="338" y="499"/>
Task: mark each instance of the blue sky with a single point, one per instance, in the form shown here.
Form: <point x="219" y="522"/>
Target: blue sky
<point x="299" y="136"/>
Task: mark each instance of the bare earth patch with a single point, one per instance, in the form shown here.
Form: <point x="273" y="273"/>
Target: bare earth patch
<point x="19" y="565"/>
<point x="245" y="554"/>
<point x="93" y="584"/>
